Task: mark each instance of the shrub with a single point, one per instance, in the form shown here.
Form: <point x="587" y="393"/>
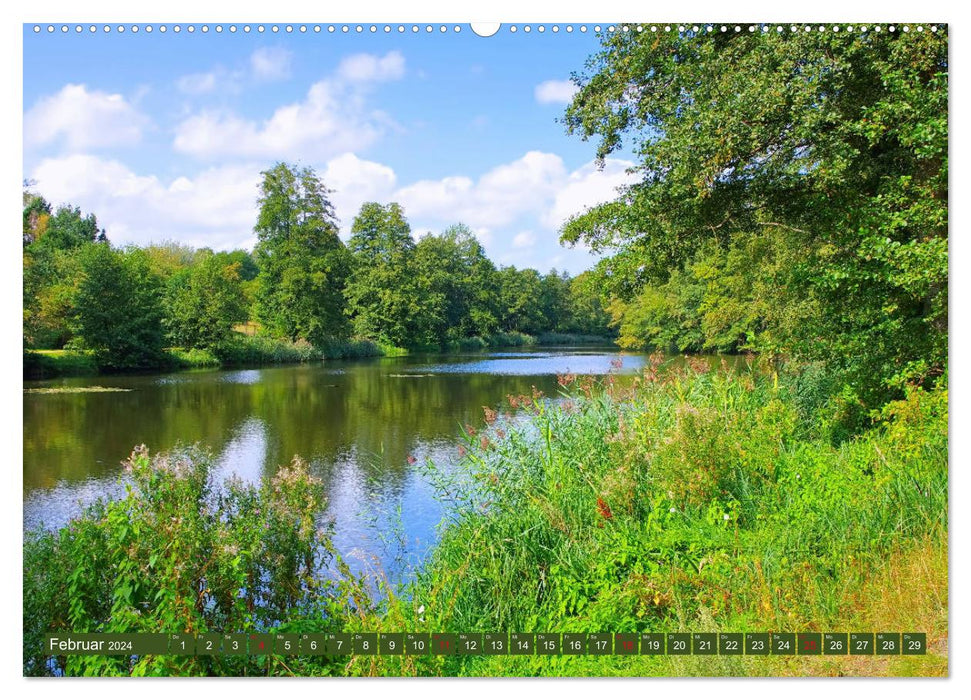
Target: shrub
<point x="179" y="554"/>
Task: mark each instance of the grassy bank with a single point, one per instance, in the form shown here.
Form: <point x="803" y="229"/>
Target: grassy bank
<point x="253" y="350"/>
<point x="243" y="351"/>
<point x="686" y="500"/>
<point x="694" y="501"/>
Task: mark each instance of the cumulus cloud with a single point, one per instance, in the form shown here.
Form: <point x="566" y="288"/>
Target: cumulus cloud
<point x="271" y="63"/>
<point x="586" y="187"/>
<point x="496" y="199"/>
<point x="215" y="208"/>
<point x="83" y="119"/>
<point x="555" y="92"/>
<point x="332" y="119"/>
<point x="368" y="68"/>
<point x="355" y="181"/>
<point x="537" y="185"/>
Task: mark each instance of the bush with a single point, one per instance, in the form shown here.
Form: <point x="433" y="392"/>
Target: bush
<point x="179" y="554"/>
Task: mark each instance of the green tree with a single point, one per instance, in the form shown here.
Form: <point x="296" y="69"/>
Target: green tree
<point x="303" y="265"/>
<point x="520" y="300"/>
<point x="381" y="291"/>
<point x="587" y="306"/>
<point x="555" y="303"/>
<point x="169" y="258"/>
<point x="204" y="302"/>
<point x="50" y="265"/>
<point x="68" y="230"/>
<point x="836" y="140"/>
<point x="37" y="213"/>
<point x="117" y="308"/>
<point x="457" y="286"/>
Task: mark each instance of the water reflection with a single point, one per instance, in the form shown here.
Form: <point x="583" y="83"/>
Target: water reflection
<point x="356" y="423"/>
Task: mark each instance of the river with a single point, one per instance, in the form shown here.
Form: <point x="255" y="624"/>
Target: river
<point x="365" y="427"/>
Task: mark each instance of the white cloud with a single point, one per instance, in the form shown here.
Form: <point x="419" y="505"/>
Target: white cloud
<point x="537" y="185"/>
<point x="368" y="68"/>
<point x="497" y="199"/>
<point x="555" y="92"/>
<point x="525" y="239"/>
<point x="354" y="182"/>
<point x="83" y="119"/>
<point x="330" y="120"/>
<point x="271" y="63"/>
<point x="215" y="208"/>
<point x="586" y="187"/>
<point x="529" y="197"/>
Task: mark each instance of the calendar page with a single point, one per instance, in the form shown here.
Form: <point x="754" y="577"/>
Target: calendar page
<point x="508" y="349"/>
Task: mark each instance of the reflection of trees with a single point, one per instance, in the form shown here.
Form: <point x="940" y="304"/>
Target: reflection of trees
<point x="317" y="412"/>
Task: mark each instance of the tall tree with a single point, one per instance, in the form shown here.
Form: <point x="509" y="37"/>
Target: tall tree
<point x="520" y="300"/>
<point x="50" y="261"/>
<point x="381" y="291"/>
<point x="831" y="145"/>
<point x="117" y="308"/>
<point x="303" y="265"/>
<point x="457" y="286"/>
<point x="68" y="230"/>
<point x="555" y="302"/>
<point x="587" y="306"/>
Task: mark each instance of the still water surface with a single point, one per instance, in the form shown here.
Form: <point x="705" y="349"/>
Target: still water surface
<point x="356" y="423"/>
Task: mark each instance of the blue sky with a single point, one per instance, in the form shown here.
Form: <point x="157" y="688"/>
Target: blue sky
<point x="163" y="136"/>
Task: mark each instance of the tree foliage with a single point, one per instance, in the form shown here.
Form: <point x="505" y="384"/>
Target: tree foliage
<point x="809" y="173"/>
<point x="381" y="291"/>
<point x="204" y="302"/>
<point x="303" y="265"/>
<point x="117" y="311"/>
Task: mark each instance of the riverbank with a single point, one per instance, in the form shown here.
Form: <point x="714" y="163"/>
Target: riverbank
<point x="694" y="501"/>
<point x="685" y="500"/>
<point x="256" y="351"/>
<point x="244" y="351"/>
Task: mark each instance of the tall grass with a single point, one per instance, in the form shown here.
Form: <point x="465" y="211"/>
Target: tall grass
<point x="688" y="500"/>
<point x="260" y="350"/>
<point x="41" y="364"/>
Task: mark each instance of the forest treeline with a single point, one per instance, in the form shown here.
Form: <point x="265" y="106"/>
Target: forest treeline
<point x="790" y="198"/>
<point x="301" y="288"/>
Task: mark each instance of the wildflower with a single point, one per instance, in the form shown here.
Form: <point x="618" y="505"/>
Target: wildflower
<point x="470" y="430"/>
<point x="484" y="442"/>
<point x="411" y="459"/>
<point x="673" y="509"/>
<point x="604" y="509"/>
<point x="461" y="451"/>
<point x="725" y="516"/>
<point x="490" y="415"/>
